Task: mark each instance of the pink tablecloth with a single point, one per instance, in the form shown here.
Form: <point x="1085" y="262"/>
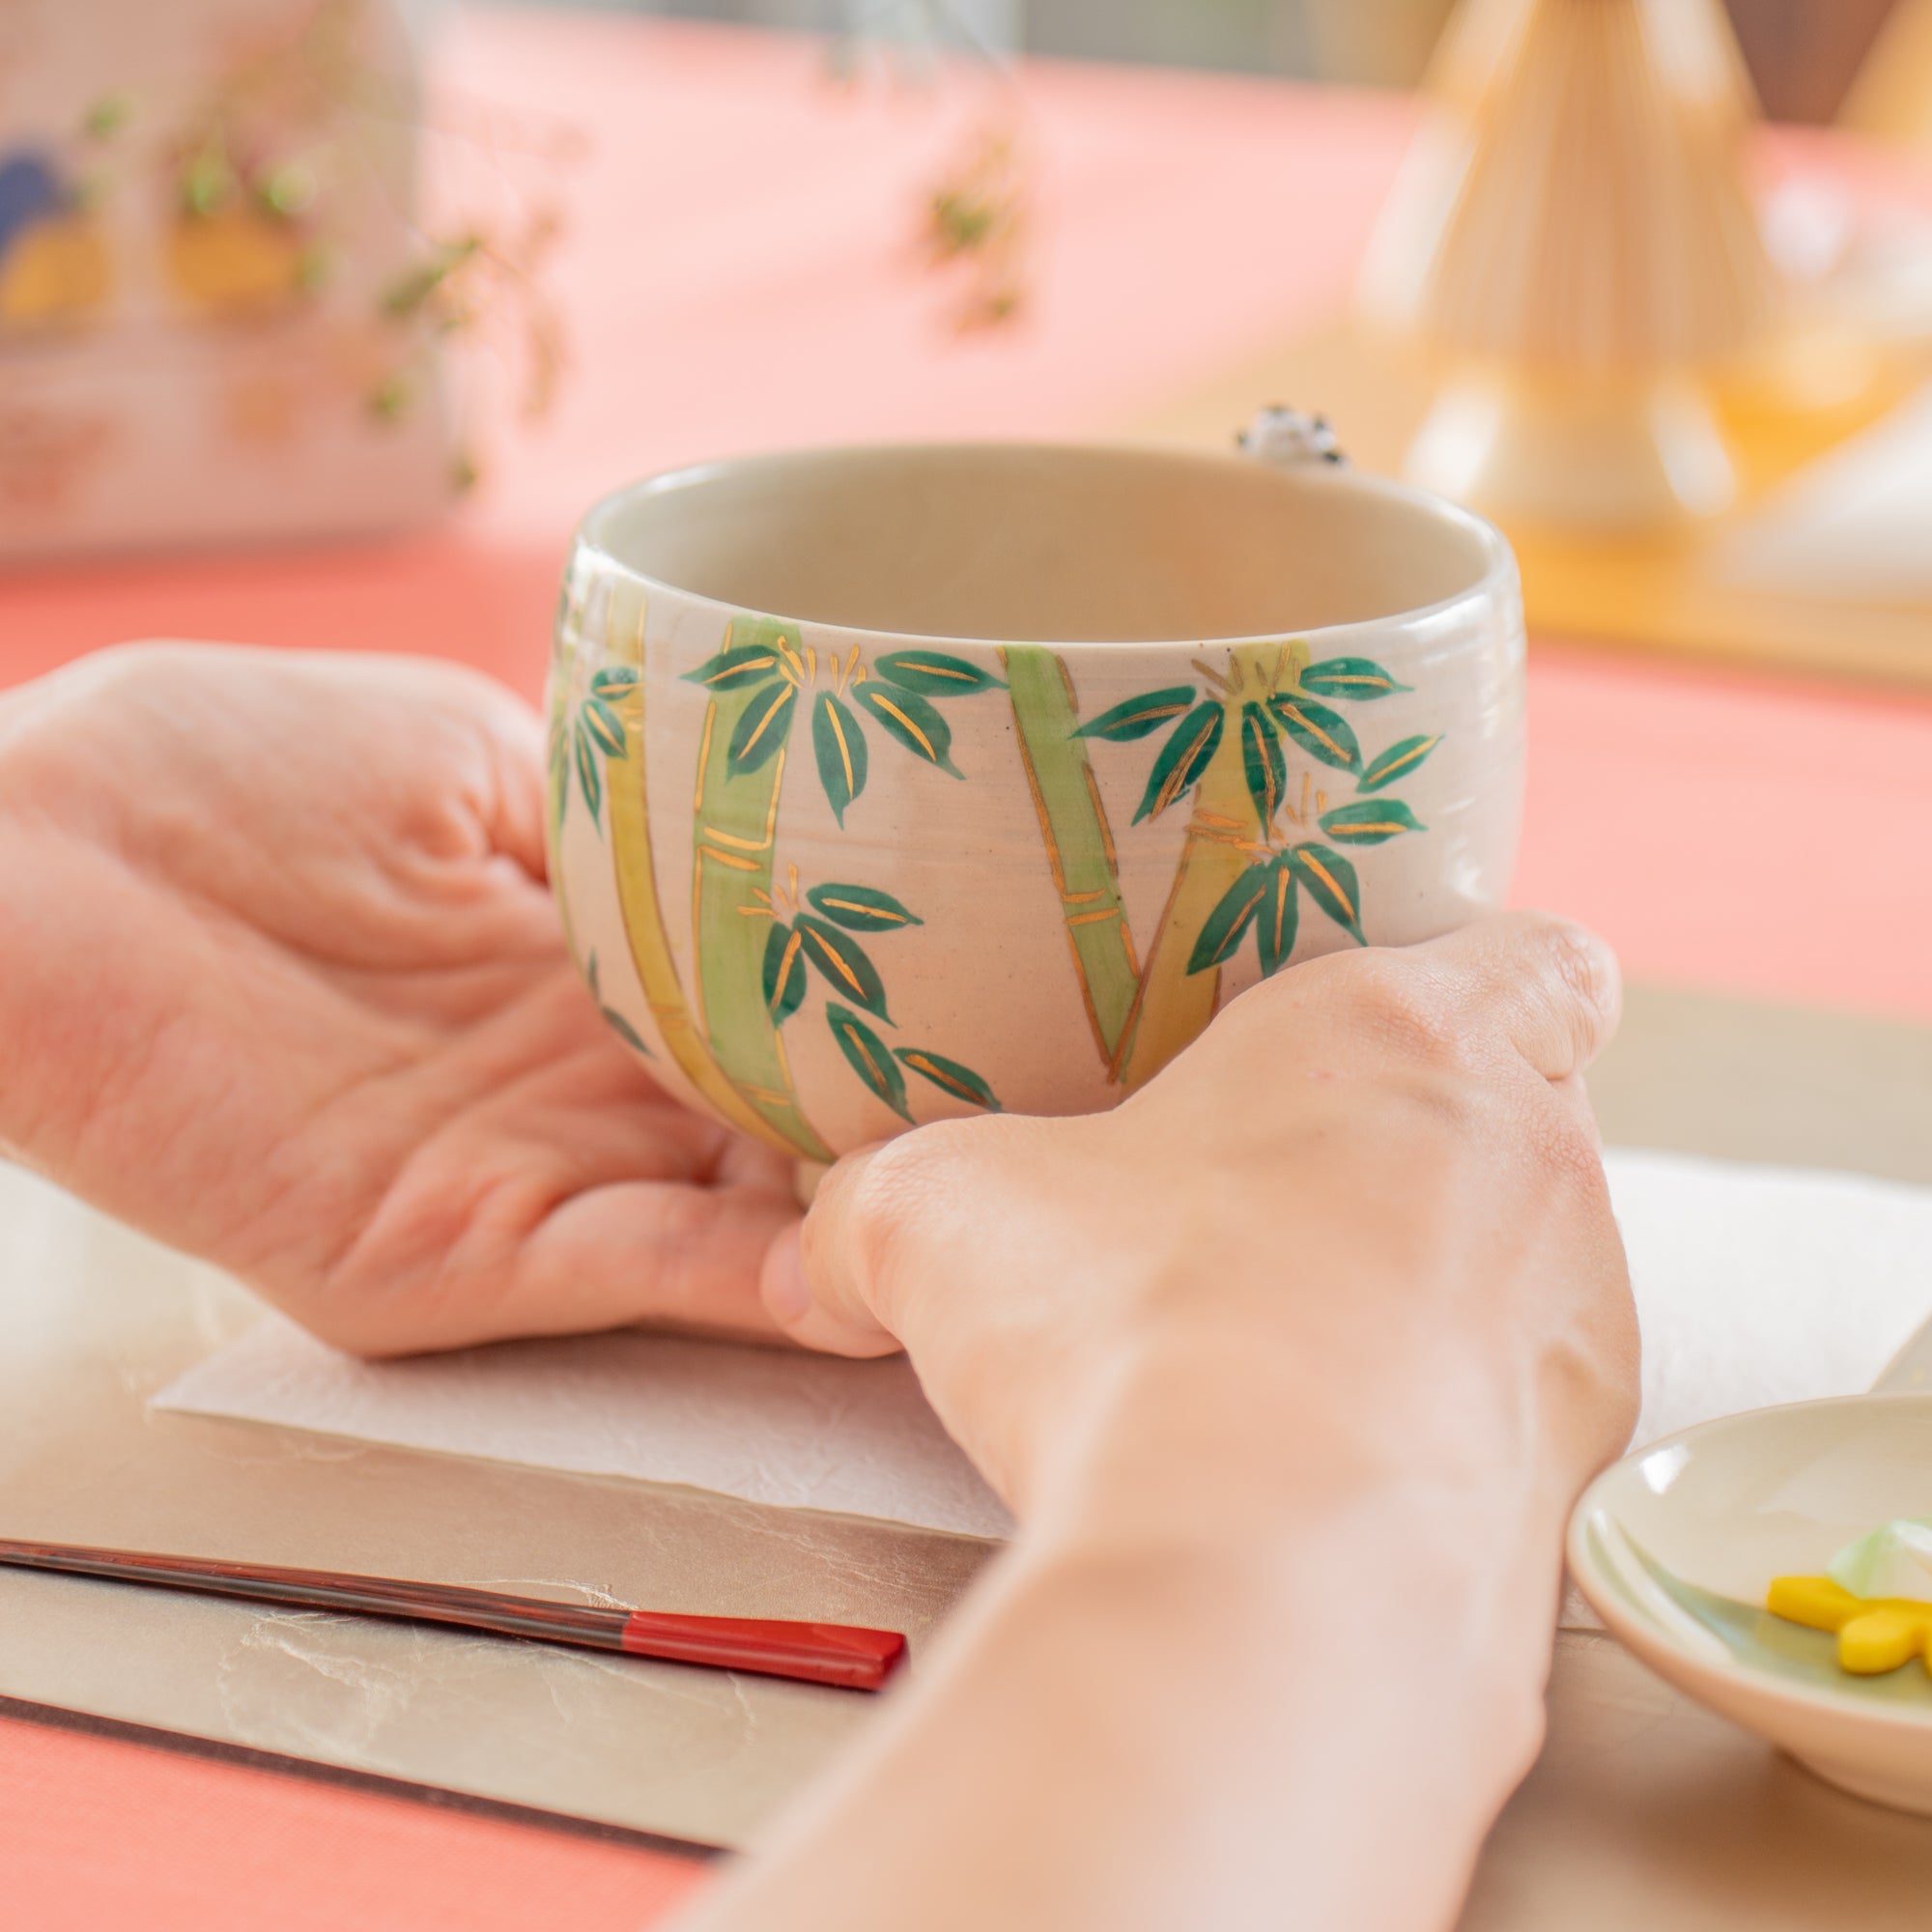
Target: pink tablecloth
<point x="738" y="277"/>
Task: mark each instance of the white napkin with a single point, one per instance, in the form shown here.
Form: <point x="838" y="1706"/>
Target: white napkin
<point x="1754" y="1285"/>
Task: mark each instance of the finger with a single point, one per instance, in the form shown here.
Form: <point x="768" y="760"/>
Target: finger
<point x="1553" y="987"/>
<point x="660" y="1254"/>
<point x="820" y="1281"/>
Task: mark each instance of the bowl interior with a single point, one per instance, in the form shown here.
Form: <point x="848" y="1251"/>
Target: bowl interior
<point x="1685" y="1538"/>
<point x="1045" y="544"/>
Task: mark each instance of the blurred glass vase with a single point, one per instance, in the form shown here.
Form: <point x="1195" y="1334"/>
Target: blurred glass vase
<point x="1574" y="244"/>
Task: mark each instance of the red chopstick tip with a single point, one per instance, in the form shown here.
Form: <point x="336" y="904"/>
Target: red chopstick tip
<point x="851" y="1659"/>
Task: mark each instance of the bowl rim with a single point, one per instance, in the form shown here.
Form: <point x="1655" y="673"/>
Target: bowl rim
<point x="1420" y="624"/>
<point x="1644" y="1637"/>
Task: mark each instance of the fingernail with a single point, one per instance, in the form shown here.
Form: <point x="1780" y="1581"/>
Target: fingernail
<point x="787" y="1295"/>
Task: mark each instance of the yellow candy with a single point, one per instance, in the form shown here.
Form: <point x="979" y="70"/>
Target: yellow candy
<point x="1875" y="1633"/>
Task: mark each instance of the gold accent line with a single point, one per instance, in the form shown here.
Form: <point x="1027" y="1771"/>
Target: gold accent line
<point x="1080" y="899"/>
<point x="920" y="1062"/>
<point x="1100" y="818"/>
<point x="763" y="845"/>
<point x="844" y="750"/>
<point x="771" y="710"/>
<point x="1094" y="918"/>
<point x="768" y="1096"/>
<point x="1309" y="726"/>
<point x="772" y="811"/>
<point x="940" y="671"/>
<point x="871" y="912"/>
<point x="791" y="953"/>
<point x="881" y="702"/>
<point x="851" y="979"/>
<point x="1327" y="878"/>
<point x="736" y="670"/>
<point x="730" y="858"/>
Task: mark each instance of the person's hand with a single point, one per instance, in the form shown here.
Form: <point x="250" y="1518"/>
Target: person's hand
<point x="281" y="982"/>
<point x="1371" y="1189"/>
<point x="1292" y="1366"/>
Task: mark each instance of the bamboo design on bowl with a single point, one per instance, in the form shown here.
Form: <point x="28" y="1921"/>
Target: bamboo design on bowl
<point x="751" y="937"/>
<point x="1246" y="864"/>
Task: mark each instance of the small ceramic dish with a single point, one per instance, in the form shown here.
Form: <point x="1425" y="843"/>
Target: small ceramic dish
<point x="1676" y="1546"/>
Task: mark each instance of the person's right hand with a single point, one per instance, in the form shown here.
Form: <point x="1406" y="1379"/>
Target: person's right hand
<point x="1362" y="1218"/>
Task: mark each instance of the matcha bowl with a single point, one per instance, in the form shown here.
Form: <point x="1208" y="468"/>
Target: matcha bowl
<point x="897" y="782"/>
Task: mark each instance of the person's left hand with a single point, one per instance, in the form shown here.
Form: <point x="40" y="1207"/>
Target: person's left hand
<point x="281" y="982"/>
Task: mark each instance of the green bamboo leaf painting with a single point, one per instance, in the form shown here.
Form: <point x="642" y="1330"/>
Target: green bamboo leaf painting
<point x="914" y="723"/>
<point x="1349" y="678"/>
<point x="1316" y="729"/>
<point x="589" y="777"/>
<point x="933" y="673"/>
<point x="1135" y="717"/>
<point x="1330" y="882"/>
<point x="614" y="680"/>
<point x="839" y="744"/>
<point x="1397" y="762"/>
<point x="1228" y="923"/>
<point x="1371" y="821"/>
<point x="861" y="908"/>
<point x="1186" y="754"/>
<point x="1278" y="916"/>
<point x="867" y="1054"/>
<point x="763" y="727"/>
<point x="605" y="726"/>
<point x="839" y="956"/>
<point x="785" y="973"/>
<point x="744" y="665"/>
<point x="1262" y="760"/>
<point x="625" y="1030"/>
<point x="950" y="1077"/>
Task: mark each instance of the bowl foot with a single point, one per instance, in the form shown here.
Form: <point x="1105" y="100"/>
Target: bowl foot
<point x="1910" y="1791"/>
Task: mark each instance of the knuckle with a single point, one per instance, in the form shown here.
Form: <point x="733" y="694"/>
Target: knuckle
<point x="1407" y="1009"/>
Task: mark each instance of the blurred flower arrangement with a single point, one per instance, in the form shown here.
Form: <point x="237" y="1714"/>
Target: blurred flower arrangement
<point x="976" y="228"/>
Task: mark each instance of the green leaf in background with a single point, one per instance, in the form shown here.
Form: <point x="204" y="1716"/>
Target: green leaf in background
<point x="1330" y="882"/>
<point x="1370" y="821"/>
<point x="843" y="962"/>
<point x="1349" y="677"/>
<point x="1261" y="761"/>
<point x="1135" y="717"/>
<point x="840" y="746"/>
<point x="950" y="1077"/>
<point x="868" y="1057"/>
<point x="784" y="972"/>
<point x="606" y="726"/>
<point x="1316" y="729"/>
<point x="742" y="664"/>
<point x="861" y="908"/>
<point x="1278" y="916"/>
<point x="614" y="680"/>
<point x="765" y="726"/>
<point x="1191" y="744"/>
<point x="1397" y="761"/>
<point x="625" y="1030"/>
<point x="933" y="675"/>
<point x="912" y="721"/>
<point x="588" y="777"/>
<point x="1222" y="933"/>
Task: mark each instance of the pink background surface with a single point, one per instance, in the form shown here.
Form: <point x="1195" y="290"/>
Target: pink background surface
<point x="740" y="276"/>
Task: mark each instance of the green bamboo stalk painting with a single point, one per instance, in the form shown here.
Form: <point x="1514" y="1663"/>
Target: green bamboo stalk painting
<point x="1079" y="841"/>
<point x="755" y="938"/>
<point x="1246" y="864"/>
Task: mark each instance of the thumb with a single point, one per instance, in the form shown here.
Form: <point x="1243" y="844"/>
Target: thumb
<point x="821" y="1278"/>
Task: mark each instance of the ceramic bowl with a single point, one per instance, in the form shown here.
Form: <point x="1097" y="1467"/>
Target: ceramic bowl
<point x="1675" y="1548"/>
<point x="890" y="784"/>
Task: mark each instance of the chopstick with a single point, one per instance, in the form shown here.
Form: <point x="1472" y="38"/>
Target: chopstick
<point x="854" y="1659"/>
